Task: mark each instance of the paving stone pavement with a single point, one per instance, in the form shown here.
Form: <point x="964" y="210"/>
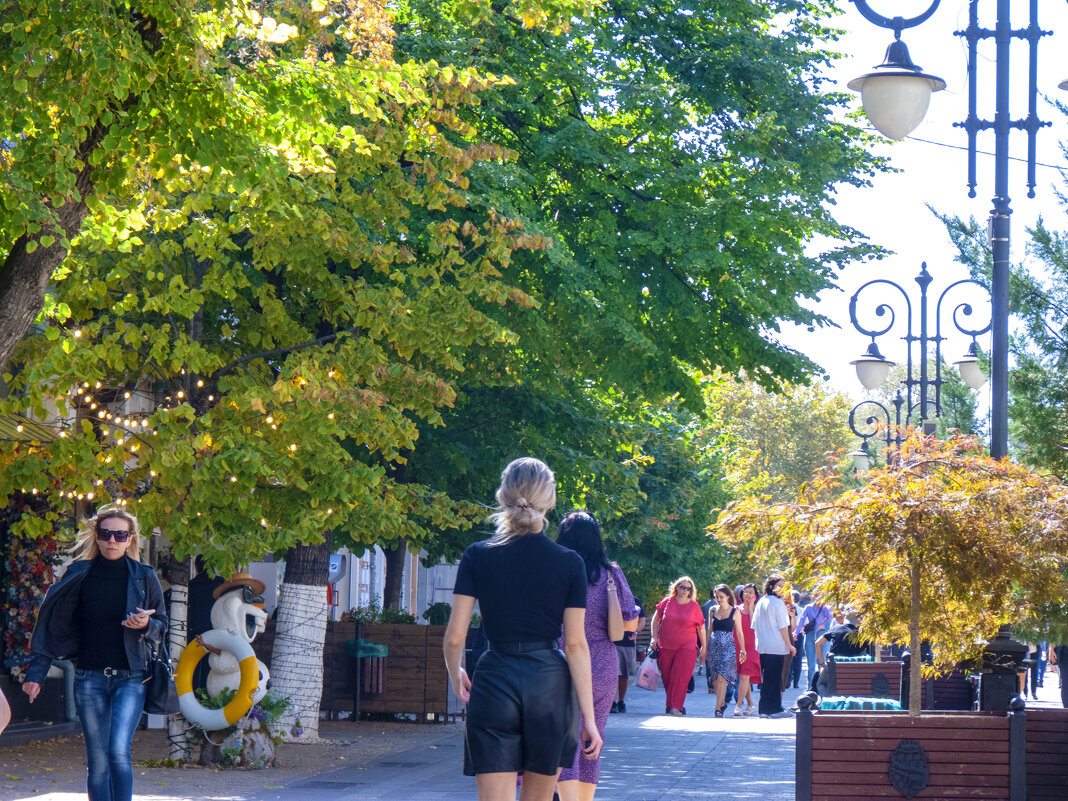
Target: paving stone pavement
<point x="648" y="756"/>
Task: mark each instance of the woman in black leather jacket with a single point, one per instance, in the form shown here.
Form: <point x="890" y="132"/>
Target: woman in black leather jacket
<point x="100" y="613"/>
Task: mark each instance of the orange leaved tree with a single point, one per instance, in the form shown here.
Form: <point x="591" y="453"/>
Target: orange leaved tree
<point x="940" y="545"/>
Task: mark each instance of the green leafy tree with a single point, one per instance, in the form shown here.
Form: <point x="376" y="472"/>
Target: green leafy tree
<point x="966" y="536"/>
<point x="248" y="373"/>
<point x="679" y="185"/>
<point x="681" y="160"/>
<point x="777" y="440"/>
<point x="117" y="99"/>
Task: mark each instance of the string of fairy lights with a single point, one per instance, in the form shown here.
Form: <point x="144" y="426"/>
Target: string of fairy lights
<point x="127" y="428"/>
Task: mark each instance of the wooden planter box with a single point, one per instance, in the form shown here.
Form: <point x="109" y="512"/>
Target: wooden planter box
<point x="890" y="680"/>
<point x="848" y="756"/>
<point x="413" y="676"/>
<point x="414" y="679"/>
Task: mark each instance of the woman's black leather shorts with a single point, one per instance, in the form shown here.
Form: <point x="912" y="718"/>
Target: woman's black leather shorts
<point x="522" y="715"/>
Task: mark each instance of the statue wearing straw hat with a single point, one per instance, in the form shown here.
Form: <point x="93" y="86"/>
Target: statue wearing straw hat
<point x="238" y="609"/>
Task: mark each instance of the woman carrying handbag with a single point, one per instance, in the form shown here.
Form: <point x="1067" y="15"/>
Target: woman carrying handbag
<point x="607" y="595"/>
<point x="106" y="611"/>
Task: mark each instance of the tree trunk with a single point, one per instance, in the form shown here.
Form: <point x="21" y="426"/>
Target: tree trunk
<point x="297" y="659"/>
<point x="394" y="574"/>
<point x="916" y="664"/>
<point x="177" y="572"/>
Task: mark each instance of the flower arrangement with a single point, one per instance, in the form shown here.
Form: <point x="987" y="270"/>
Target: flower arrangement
<point x="249" y="743"/>
<point x="28" y="573"/>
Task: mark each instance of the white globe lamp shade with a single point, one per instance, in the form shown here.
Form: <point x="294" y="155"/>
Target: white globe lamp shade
<point x="968" y="367"/>
<point x="872" y="368"/>
<point x="861" y="459"/>
<point x="895" y="103"/>
<point x="897" y="93"/>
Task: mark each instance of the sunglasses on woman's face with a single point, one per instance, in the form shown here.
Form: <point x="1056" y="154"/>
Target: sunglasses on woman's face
<point x="685" y="589"/>
<point x="105" y="534"/>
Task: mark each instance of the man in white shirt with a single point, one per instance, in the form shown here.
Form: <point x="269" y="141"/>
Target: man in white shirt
<point x="771" y="624"/>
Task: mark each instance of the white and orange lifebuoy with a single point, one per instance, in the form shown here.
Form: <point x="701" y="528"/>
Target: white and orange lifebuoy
<point x="195" y="712"/>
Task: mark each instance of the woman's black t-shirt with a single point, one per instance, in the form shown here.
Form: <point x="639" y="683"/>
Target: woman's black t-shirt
<point x="522" y="586"/>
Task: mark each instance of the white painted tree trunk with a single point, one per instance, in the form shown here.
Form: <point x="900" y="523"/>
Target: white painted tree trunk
<point x="297" y="658"/>
<point x="177" y="729"/>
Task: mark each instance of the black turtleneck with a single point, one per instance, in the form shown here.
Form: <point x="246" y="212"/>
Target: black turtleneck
<point x="101" y="610"/>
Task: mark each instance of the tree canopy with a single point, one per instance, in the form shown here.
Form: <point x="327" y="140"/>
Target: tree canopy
<point x="682" y="158"/>
<point x="245" y="362"/>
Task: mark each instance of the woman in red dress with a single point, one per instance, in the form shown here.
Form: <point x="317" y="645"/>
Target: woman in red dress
<point x="748" y="670"/>
<point x="678" y="625"/>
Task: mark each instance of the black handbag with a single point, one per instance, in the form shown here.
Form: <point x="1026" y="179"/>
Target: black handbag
<point x="161" y="696"/>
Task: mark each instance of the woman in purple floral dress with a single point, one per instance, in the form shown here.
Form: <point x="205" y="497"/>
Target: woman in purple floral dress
<point x="580" y="532"/>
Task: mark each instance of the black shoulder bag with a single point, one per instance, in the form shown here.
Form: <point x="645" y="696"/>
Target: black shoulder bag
<point x="161" y="696"/>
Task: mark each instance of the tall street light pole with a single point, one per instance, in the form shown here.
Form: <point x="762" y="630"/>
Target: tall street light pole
<point x="895" y="97"/>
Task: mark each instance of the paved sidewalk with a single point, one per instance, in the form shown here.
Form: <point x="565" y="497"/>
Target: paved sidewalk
<point x="648" y="756"/>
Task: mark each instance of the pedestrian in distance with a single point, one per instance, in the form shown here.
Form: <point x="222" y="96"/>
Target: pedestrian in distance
<point x="521" y="715"/>
<point x="812" y="624"/>
<point x="771" y="623"/>
<point x="788" y="660"/>
<point x="1058" y="656"/>
<point x="103" y="611"/>
<point x="607" y="595"/>
<point x="749" y="665"/>
<point x="707" y="607"/>
<point x="679" y="635"/>
<point x="794" y="676"/>
<point x="725" y="627"/>
<point x="626" y="650"/>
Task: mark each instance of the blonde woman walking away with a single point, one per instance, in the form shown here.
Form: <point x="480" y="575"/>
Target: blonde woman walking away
<point x="521" y="713"/>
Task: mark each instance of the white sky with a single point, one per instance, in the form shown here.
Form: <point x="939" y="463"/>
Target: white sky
<point x="893" y="212"/>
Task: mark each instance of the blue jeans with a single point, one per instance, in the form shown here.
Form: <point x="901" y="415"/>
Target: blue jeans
<point x="109" y="708"/>
<point x="810" y="651"/>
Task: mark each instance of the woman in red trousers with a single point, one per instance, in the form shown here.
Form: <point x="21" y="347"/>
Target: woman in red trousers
<point x="678" y="625"/>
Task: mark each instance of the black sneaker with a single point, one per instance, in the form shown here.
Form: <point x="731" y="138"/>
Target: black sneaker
<point x="615" y="707"/>
<point x="621" y="707"/>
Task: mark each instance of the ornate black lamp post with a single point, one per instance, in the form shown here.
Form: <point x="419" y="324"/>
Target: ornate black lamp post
<point x="922" y="402"/>
<point x="895" y="96"/>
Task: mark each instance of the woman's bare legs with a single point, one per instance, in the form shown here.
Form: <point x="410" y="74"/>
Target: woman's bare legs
<point x="745" y="692"/>
<point x="574" y="790"/>
<point x="719" y="685"/>
<point x="501" y="786"/>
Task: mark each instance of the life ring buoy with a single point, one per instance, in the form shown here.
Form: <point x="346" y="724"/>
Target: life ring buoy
<point x="192" y="709"/>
